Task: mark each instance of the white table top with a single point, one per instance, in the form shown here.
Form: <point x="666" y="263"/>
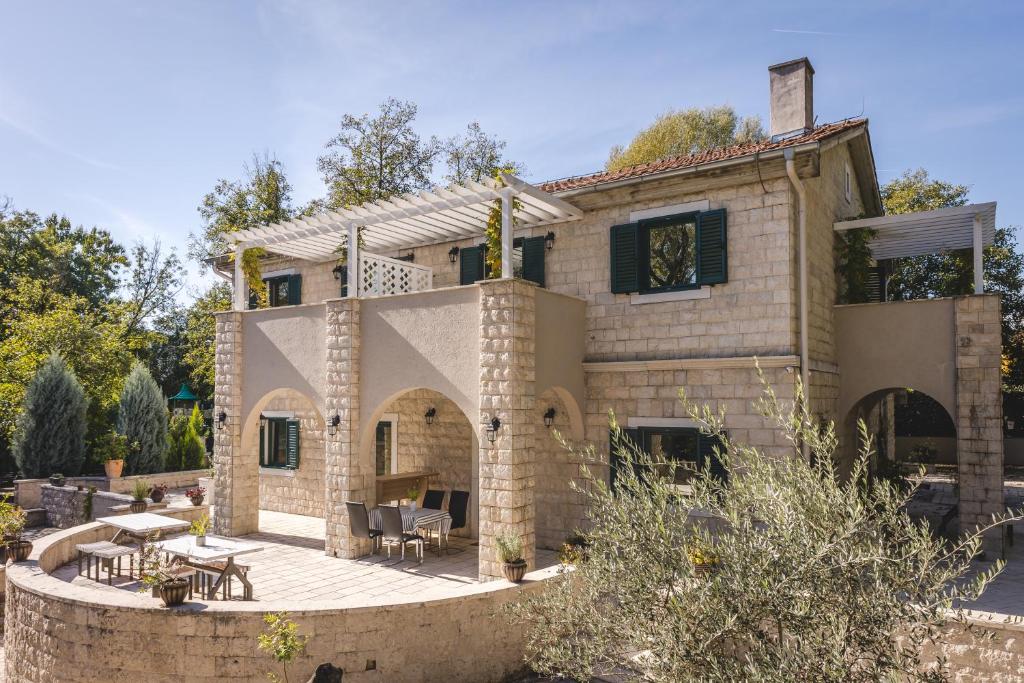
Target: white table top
<point x="144" y="523"/>
<point x="216" y="548"/>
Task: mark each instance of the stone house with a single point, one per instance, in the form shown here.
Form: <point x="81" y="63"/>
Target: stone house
<point x="626" y="286"/>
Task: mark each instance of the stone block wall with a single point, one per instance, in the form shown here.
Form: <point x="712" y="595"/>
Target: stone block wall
<point x="979" y="418"/>
<point x="560" y="510"/>
<point x="507" y="380"/>
<point x="300" y="491"/>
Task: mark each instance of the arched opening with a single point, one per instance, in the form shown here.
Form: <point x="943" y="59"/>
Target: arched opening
<point x="423" y="431"/>
<point x="560" y="510"/>
<point x="911" y="430"/>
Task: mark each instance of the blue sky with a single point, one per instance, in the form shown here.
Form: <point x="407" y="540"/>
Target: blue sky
<point x="123" y="115"/>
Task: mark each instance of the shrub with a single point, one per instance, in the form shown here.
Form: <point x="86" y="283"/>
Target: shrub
<point x="783" y="572"/>
<point x="510" y="547"/>
<point x="185" y="447"/>
<point x="50" y="431"/>
<point x="282" y="640"/>
<point x="142" y="418"/>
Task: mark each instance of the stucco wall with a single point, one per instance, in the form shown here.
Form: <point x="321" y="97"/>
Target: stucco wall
<point x="560" y="510"/>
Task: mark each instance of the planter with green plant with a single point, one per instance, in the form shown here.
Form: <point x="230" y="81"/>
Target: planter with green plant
<point x="140" y="489"/>
<point x="510" y="552"/>
<point x="114" y="447"/>
<point x="413" y="494"/>
<point x="12" y="523"/>
<point x="159" y="573"/>
<point x="57" y="479"/>
<point x="199" y="528"/>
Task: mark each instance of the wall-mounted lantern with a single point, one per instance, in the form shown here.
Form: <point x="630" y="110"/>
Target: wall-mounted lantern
<point x="430" y="415"/>
<point x="549" y="240"/>
<point x="263" y="420"/>
<point x="338" y="271"/>
<point x="453" y="254"/>
<point x="549" y="417"/>
<point x="222" y="419"/>
<point x="332" y="426"/>
<point x="492" y="429"/>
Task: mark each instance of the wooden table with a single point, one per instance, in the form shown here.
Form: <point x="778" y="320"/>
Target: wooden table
<point x="142" y="525"/>
<point x="395" y="486"/>
<point x="216" y="549"/>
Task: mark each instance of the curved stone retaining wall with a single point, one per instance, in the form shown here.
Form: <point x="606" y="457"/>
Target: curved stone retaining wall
<point x="58" y="632"/>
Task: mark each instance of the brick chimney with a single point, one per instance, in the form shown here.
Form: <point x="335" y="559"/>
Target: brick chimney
<point x="792" y="97"/>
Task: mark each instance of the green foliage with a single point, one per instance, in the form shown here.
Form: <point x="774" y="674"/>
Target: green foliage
<point x="50" y="432"/>
<point x="201" y="337"/>
<point x="186" y="449"/>
<point x="685" y="132"/>
<point x="140" y="489"/>
<point x="282" y="640"/>
<point x="916" y="191"/>
<point x="476" y="156"/>
<point x="87" y="503"/>
<point x="812" y="577"/>
<point x="492" y="232"/>
<point x="853" y="263"/>
<point x="142" y="418"/>
<point x="12" y="519"/>
<point x="510" y="546"/>
<point x="200" y="526"/>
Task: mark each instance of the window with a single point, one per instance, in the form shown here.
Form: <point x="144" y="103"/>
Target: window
<point x="684" y="251"/>
<point x="282" y="290"/>
<point x="848" y="184"/>
<point x="279" y="443"/>
<point x="686" y="447"/>
<point x="386" y="445"/>
<point x="527" y="261"/>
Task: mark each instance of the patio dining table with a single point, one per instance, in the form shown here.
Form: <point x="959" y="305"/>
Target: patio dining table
<point x="142" y="525"/>
<point x="217" y="549"/>
<point x="420" y="518"/>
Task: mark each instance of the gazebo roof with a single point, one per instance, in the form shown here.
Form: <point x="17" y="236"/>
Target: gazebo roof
<point x="927" y="232"/>
<point x="184" y="394"/>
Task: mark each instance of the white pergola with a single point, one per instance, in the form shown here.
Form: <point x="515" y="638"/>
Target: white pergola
<point x="410" y="220"/>
<point x="931" y="232"/>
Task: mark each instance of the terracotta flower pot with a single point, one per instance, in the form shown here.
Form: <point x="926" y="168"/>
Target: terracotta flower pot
<point x="173" y="592"/>
<point x="113" y="468"/>
<point x="514" y="571"/>
<point x="137" y="506"/>
<point x="18" y="551"/>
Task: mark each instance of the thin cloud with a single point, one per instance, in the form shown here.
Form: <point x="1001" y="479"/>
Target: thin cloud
<point x="50" y="144"/>
<point x="806" y="33"/>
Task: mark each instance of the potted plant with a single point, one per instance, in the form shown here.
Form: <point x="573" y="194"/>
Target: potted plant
<point x="413" y="494"/>
<point x="114" y="447"/>
<point x="57" y="479"/>
<point x="703" y="558"/>
<point x="199" y="528"/>
<point x="140" y="490"/>
<point x="158" y="572"/>
<point x="510" y="552"/>
<point x="157" y="493"/>
<point x="195" y="494"/>
<point x="12" y="523"/>
<point x="575" y="549"/>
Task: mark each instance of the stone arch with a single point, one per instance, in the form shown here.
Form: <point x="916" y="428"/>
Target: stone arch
<point x="559" y="509"/>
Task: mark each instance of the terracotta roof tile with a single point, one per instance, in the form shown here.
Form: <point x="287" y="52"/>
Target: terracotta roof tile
<point x="721" y="154"/>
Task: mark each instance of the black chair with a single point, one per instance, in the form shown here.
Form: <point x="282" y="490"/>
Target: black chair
<point x="433" y="499"/>
<point x="394" y="532"/>
<point x="458" y="508"/>
<point x="359" y="524"/>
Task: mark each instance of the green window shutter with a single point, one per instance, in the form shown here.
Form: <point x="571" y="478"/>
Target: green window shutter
<point x="471" y="265"/>
<point x="294" y="290"/>
<point x="343" y="277"/>
<point x="263" y="448"/>
<point x="706" y="444"/>
<point x="533" y="259"/>
<point x="625" y="259"/>
<point x="293" y="443"/>
<point x="711" y="245"/>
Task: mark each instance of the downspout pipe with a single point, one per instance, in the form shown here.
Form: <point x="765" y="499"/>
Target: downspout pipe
<point x="801" y="198"/>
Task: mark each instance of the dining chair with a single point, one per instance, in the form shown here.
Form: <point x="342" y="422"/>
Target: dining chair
<point x="394" y="532"/>
<point x="458" y="508"/>
<point x="433" y="499"/>
<point x="359" y="524"/>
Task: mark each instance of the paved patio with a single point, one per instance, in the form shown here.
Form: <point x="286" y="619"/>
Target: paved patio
<point x="292" y="566"/>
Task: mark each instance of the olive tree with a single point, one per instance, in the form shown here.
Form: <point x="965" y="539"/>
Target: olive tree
<point x="49" y="435"/>
<point x="782" y="572"/>
<point x="142" y="418"/>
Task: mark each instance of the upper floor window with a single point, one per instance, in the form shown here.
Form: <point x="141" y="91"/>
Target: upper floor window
<point x="848" y="184"/>
<point x="527" y="261"/>
<point x="282" y="290"/>
<point x="683" y="251"/>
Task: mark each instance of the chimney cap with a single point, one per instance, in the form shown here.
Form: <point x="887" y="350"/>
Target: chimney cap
<point x="792" y="62"/>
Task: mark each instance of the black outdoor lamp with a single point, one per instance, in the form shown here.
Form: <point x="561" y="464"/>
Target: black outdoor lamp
<point x="263" y="420"/>
<point x="332" y="427"/>
<point x="492" y="429"/>
<point x="222" y="419"/>
<point x="549" y="240"/>
<point x="430" y="415"/>
<point x="453" y="254"/>
<point x="549" y="417"/>
<point x="337" y="271"/>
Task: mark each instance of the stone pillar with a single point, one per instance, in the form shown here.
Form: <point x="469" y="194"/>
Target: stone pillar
<point x="236" y="474"/>
<point x="345" y="476"/>
<point x="979" y="408"/>
<point x="507" y="334"/>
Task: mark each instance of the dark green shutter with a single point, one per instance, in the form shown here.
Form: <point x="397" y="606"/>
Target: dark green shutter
<point x="253" y="301"/>
<point x="343" y="276"/>
<point x="706" y="444"/>
<point x="713" y="265"/>
<point x="625" y="259"/>
<point x="533" y="259"/>
<point x="263" y="457"/>
<point x="293" y="443"/>
<point x="294" y="290"/>
<point x="471" y="265"/>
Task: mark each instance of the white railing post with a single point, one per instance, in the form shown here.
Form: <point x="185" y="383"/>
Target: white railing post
<point x="240" y="293"/>
<point x="506" y="233"/>
<point x="353" y="260"/>
<point x="979" y="252"/>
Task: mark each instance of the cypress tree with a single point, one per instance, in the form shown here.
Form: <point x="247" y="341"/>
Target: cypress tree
<point x="142" y="418"/>
<point x="186" y="449"/>
<point x="49" y="436"/>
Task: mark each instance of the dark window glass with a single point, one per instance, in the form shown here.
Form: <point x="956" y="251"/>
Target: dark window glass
<point x="383" y="448"/>
<point x="675" y="445"/>
<point x="672" y="253"/>
<point x="278" y="291"/>
<point x="276" y="443"/>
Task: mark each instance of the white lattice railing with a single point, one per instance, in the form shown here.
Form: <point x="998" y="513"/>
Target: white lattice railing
<point x="383" y="276"/>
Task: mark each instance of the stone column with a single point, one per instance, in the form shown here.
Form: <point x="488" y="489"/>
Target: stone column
<point x="979" y="418"/>
<point x="236" y="474"/>
<point x="344" y="474"/>
<point x="507" y="334"/>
